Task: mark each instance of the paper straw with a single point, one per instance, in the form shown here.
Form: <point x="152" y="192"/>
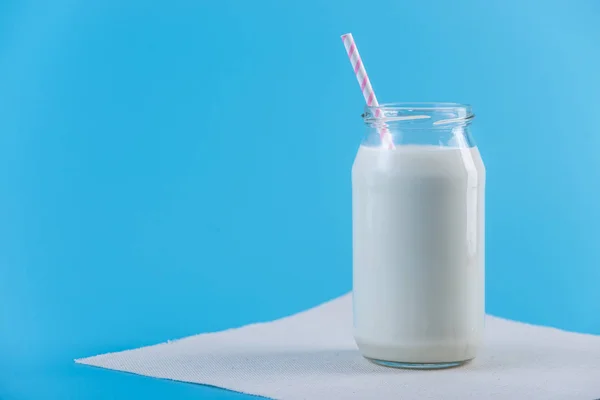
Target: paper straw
<point x="365" y="86"/>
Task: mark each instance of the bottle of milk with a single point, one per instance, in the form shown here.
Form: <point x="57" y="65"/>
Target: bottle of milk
<point x="418" y="237"/>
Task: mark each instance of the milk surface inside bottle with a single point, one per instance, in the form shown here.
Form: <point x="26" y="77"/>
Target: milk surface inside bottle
<point x="418" y="237"/>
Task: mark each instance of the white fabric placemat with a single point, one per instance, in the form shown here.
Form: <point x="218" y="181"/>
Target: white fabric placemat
<point x="311" y="355"/>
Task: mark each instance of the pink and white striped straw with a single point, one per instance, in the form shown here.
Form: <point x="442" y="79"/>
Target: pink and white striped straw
<point x="365" y="86"/>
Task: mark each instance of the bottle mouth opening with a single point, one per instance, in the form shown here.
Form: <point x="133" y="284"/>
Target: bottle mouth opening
<point x="420" y="115"/>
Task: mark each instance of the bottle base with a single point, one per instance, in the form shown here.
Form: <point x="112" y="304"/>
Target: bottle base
<point x="406" y="365"/>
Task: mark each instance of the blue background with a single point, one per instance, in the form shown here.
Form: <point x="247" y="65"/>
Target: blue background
<point x="181" y="167"/>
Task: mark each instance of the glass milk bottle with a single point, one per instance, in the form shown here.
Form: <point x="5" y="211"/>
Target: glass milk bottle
<point x="418" y="237"/>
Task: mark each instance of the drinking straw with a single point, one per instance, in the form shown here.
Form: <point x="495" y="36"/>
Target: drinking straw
<point x="366" y="88"/>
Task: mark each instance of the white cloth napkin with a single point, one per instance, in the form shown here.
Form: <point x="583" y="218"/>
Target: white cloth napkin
<point x="311" y="355"/>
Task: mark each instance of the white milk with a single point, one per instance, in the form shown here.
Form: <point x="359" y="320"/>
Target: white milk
<point x="418" y="249"/>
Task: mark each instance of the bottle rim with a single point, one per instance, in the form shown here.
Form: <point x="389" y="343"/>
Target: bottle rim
<point x="432" y="114"/>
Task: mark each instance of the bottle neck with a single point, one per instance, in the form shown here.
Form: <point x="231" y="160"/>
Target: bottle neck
<point x="426" y="124"/>
<point x="458" y="136"/>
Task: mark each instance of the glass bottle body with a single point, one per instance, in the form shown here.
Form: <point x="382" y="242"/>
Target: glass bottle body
<point x="418" y="237"/>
